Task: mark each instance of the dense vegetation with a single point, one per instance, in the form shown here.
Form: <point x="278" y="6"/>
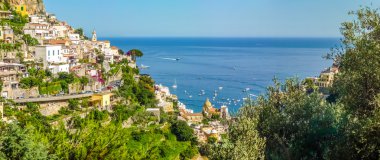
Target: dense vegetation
<point x="289" y="123"/>
<point x="82" y="132"/>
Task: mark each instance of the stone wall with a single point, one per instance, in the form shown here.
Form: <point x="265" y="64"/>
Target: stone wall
<point x="52" y="108"/>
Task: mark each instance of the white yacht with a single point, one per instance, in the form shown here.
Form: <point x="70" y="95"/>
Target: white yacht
<point x="175" y="84"/>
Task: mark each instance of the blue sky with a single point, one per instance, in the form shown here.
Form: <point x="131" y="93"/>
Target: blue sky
<point x="207" y="18"/>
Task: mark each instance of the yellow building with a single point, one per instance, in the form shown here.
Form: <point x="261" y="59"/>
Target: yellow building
<point x="193" y="117"/>
<point x="208" y="109"/>
<point x="21" y="9"/>
<point x="102" y="100"/>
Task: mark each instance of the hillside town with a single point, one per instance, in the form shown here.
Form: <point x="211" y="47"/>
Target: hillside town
<point x="38" y="47"/>
<point x="39" y="42"/>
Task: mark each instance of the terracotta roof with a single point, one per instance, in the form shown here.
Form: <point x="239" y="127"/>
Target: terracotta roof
<point x="53" y="41"/>
<point x="193" y="114"/>
<point x="38" y="24"/>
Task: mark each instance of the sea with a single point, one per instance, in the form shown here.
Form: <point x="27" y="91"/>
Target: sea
<point x="227" y="70"/>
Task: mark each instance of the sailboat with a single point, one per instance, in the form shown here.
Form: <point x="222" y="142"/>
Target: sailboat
<point x="175" y="84"/>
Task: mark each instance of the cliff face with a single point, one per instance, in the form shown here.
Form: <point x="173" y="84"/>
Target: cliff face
<point x="32" y="6"/>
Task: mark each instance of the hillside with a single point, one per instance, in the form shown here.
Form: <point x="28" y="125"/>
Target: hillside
<point x="32" y="6"/>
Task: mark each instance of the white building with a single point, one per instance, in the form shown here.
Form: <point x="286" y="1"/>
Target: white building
<point x="50" y="54"/>
<point x="59" y="31"/>
<point x="37" y="19"/>
<point x="38" y="30"/>
<point x="110" y="53"/>
<point x="75" y="38"/>
<point x="56" y="68"/>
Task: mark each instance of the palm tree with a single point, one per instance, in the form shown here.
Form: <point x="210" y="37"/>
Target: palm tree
<point x="135" y="53"/>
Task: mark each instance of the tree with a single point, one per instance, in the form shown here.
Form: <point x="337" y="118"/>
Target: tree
<point x="29" y="82"/>
<point x="100" y="59"/>
<point x="120" y="51"/>
<point x="84" y="81"/>
<point x="247" y="143"/>
<point x="135" y="53"/>
<point x="79" y="31"/>
<point x="67" y="77"/>
<point x="357" y="86"/>
<point x="309" y="85"/>
<point x="18" y="143"/>
<point x="183" y="131"/>
<point x="73" y="104"/>
<point x="29" y="40"/>
<point x="358" y="82"/>
<point x="286" y="123"/>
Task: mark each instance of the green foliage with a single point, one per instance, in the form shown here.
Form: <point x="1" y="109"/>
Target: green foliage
<point x="16" y="23"/>
<point x="73" y="104"/>
<point x="212" y="140"/>
<point x="69" y="78"/>
<point x="141" y="92"/>
<point x="29" y="40"/>
<point x="79" y="31"/>
<point x="85" y="103"/>
<point x="29" y="82"/>
<point x="19" y="143"/>
<point x="9" y="47"/>
<point x="357" y="87"/>
<point x="1" y="85"/>
<point x="120" y="51"/>
<point x="65" y="111"/>
<point x="84" y="81"/>
<point x="309" y="85"/>
<point x="50" y="88"/>
<point x="122" y="113"/>
<point x="287" y="123"/>
<point x="183" y="131"/>
<point x="358" y="82"/>
<point x="135" y="53"/>
<point x="100" y="59"/>
<point x="32" y="107"/>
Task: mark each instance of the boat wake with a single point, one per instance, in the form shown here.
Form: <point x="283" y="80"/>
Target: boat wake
<point x="172" y="59"/>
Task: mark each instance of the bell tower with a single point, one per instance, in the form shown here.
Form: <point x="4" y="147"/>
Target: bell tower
<point x="94" y="37"/>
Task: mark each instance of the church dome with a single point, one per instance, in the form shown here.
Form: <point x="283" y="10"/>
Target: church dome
<point x="207" y="103"/>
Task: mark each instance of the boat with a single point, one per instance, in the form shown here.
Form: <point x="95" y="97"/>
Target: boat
<point x="173" y="59"/>
<point x="202" y="93"/>
<point x="190" y="96"/>
<point x="175" y="84"/>
<point x="144" y="67"/>
<point x="220" y="88"/>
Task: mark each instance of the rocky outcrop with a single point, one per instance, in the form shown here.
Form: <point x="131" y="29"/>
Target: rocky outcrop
<point x="32" y="6"/>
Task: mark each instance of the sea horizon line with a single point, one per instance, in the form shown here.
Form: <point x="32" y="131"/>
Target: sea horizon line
<point x="200" y="37"/>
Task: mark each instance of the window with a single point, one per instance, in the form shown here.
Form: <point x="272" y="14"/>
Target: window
<point x="58" y="52"/>
<point x="48" y="53"/>
<point x="53" y="52"/>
